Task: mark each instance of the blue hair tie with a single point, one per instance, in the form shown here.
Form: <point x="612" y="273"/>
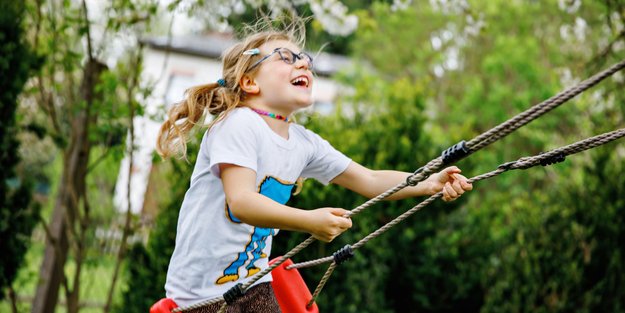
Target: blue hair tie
<point x="221" y="82"/>
<point x="254" y="51"/>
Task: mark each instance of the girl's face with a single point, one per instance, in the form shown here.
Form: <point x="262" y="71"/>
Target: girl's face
<point x="283" y="87"/>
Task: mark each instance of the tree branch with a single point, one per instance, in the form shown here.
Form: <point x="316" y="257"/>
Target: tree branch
<point x="88" y="28"/>
<point x="134" y="82"/>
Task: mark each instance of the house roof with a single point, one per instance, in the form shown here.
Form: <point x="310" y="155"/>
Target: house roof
<point x="213" y="45"/>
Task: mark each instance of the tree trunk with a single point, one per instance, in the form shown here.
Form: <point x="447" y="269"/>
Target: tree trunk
<point x="13" y="299"/>
<point x="66" y="210"/>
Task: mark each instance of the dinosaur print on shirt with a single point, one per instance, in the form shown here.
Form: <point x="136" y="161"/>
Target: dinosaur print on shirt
<point x="277" y="191"/>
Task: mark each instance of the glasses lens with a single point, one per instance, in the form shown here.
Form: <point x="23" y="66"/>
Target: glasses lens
<point x="287" y="55"/>
<point x="290" y="57"/>
<point x="304" y="56"/>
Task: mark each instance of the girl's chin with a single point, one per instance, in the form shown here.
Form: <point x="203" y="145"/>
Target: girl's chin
<point x="305" y="104"/>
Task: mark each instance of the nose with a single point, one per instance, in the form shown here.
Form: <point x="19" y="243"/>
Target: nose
<point x="302" y="63"/>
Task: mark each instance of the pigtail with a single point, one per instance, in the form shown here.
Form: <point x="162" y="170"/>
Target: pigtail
<point x="200" y="101"/>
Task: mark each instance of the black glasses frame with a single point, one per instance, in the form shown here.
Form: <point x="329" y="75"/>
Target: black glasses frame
<point x="294" y="57"/>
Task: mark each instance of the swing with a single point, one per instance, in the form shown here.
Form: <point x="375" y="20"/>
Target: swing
<point x="288" y="285"/>
<point x="290" y="289"/>
<point x="164" y="305"/>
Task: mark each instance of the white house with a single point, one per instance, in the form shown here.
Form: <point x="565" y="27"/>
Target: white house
<point x="174" y="64"/>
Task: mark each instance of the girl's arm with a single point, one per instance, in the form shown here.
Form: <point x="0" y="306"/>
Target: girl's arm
<point x="370" y="183"/>
<point x="258" y="210"/>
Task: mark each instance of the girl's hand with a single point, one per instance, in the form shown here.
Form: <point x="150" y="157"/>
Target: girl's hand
<point x="325" y="224"/>
<point x="450" y="182"/>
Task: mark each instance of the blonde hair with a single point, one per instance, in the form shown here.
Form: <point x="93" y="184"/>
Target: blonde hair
<point x="217" y="100"/>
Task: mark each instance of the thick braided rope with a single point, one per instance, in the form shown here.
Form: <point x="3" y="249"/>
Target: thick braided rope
<point x="537" y="110"/>
<point x="311" y="263"/>
<point x="431" y="167"/>
<point x="377" y="199"/>
<point x="523" y="118"/>
<point x="574" y="148"/>
<point x="521" y="163"/>
<point x="322" y="283"/>
<point x="198" y="305"/>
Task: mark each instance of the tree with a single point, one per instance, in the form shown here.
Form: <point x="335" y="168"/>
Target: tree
<point x="85" y="106"/>
<point x="567" y="255"/>
<point x="332" y="15"/>
<point x="17" y="213"/>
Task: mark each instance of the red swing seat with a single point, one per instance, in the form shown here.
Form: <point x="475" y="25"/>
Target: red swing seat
<point x="164" y="305"/>
<point x="290" y="289"/>
<point x="288" y="285"/>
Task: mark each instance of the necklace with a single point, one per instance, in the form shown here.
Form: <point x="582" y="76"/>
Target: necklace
<point x="272" y="115"/>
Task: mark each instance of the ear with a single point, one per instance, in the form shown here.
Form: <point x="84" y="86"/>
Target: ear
<point x="249" y="85"/>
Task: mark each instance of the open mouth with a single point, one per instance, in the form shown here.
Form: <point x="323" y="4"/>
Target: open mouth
<point x="301" y="81"/>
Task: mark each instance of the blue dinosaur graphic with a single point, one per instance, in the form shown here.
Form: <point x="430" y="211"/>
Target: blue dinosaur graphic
<point x="277" y="191"/>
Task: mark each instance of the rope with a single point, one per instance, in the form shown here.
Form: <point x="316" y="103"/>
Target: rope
<point x="547" y="158"/>
<point x="538" y="110"/>
<point x="434" y="165"/>
<point x="321" y="284"/>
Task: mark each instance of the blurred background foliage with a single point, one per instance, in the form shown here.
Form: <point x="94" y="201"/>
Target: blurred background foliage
<point x="540" y="240"/>
<point x="18" y="215"/>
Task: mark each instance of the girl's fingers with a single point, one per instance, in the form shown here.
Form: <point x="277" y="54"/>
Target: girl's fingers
<point x="347" y="223"/>
<point x="456" y="185"/>
<point x="445" y="194"/>
<point x="450" y="190"/>
<point x="457" y="188"/>
<point x="464" y="184"/>
<point x="452" y="170"/>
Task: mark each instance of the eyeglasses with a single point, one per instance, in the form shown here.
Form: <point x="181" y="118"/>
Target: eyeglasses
<point x="288" y="56"/>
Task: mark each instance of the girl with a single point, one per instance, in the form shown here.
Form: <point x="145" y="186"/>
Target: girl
<point x="250" y="159"/>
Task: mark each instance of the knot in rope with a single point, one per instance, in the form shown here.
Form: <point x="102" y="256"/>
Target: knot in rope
<point x="524" y="163"/>
<point x="234" y="293"/>
<point x="553" y="159"/>
<point x="343" y="254"/>
<point x="455" y="153"/>
<point x="411" y="181"/>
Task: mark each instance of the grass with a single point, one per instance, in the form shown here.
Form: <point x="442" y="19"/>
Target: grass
<point x="95" y="282"/>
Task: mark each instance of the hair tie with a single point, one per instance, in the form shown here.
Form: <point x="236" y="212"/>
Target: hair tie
<point x="254" y="51"/>
<point x="221" y="82"/>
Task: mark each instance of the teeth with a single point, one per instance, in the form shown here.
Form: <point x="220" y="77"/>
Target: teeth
<point x="300" y="80"/>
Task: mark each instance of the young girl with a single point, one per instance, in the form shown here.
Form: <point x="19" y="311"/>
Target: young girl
<point x="250" y="159"/>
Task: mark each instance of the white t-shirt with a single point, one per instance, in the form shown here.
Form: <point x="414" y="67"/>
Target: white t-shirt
<point x="214" y="250"/>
